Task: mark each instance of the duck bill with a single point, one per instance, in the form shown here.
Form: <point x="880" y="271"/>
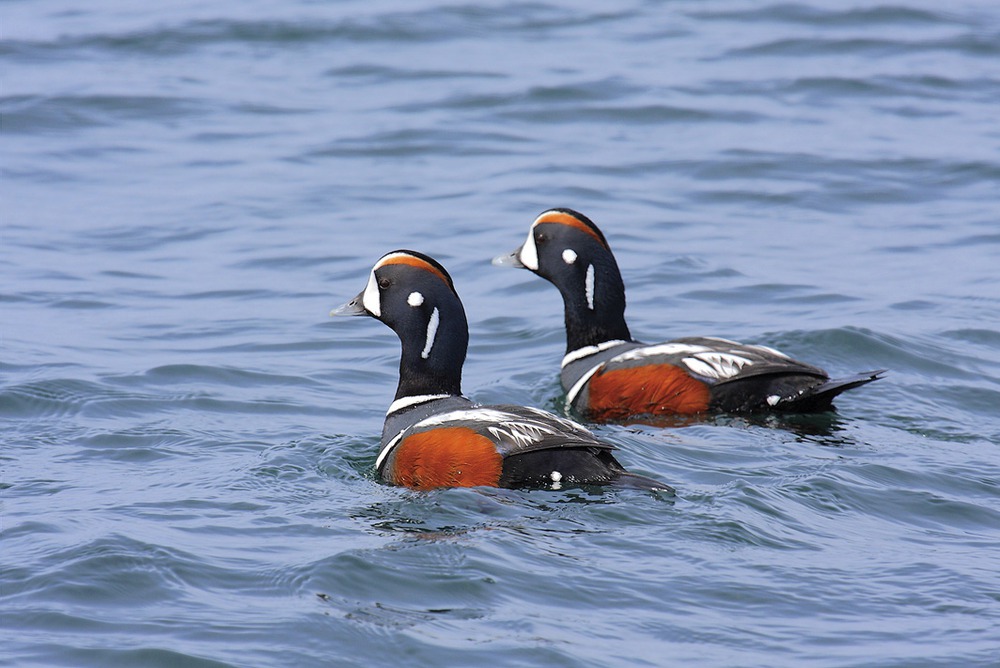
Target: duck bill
<point x="354" y="307"/>
<point x="509" y="260"/>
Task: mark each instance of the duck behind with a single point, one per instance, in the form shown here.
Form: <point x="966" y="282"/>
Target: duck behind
<point x="609" y="376"/>
<point x="434" y="436"/>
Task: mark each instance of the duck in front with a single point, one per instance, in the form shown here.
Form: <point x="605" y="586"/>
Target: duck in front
<point x="433" y="435"/>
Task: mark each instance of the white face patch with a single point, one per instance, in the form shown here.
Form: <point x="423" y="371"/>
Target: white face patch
<point x="589" y="285"/>
<point x="371" y="300"/>
<point x="569" y="256"/>
<point x="529" y="254"/>
<point x="432" y="328"/>
<point x="415" y="299"/>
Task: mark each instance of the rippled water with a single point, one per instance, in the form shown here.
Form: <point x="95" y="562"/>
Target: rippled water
<point x="188" y="188"/>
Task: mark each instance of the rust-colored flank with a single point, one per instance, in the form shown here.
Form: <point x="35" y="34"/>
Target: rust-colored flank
<point x="447" y="457"/>
<point x="654" y="389"/>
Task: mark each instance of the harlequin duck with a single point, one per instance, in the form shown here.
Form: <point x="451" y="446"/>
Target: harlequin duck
<point x="435" y="437"/>
<point x="609" y="376"/>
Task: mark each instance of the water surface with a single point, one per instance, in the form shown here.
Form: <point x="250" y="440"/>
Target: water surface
<point x="188" y="439"/>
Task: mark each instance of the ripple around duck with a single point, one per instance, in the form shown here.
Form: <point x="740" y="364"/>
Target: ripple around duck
<point x="971" y="44"/>
<point x="859" y="16"/>
<point x="650" y="114"/>
<point x="393" y="27"/>
<point x="822" y="91"/>
<point x="410" y="143"/>
<point x="365" y="74"/>
<point x="114" y="570"/>
<point x="60" y="397"/>
<point x="49" y="398"/>
<point x="173" y="374"/>
<point x="32" y="114"/>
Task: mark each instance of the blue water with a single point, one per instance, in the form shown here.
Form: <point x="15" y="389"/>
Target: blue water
<point x="189" y="187"/>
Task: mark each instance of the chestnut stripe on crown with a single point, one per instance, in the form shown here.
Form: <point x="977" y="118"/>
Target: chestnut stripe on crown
<point x="565" y="218"/>
<point x="416" y="260"/>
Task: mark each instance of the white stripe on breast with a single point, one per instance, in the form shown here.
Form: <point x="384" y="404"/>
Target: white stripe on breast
<point x="575" y="390"/>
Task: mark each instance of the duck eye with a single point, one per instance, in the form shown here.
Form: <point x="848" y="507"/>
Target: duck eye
<point x="541" y="238"/>
<point x="384" y="283"/>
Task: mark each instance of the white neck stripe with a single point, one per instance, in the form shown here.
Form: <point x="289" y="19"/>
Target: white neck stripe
<point x="587" y="351"/>
<point x="589" y="286"/>
<point x="406" y="402"/>
<point x="432" y="328"/>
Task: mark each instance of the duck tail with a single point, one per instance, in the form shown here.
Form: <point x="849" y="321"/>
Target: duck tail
<point x="820" y="397"/>
<point x="635" y="481"/>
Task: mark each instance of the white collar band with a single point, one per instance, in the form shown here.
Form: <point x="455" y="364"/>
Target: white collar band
<point x="587" y="351"/>
<point x="406" y="402"/>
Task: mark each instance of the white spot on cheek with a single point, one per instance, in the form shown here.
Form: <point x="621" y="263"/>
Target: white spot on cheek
<point x="590" y="287"/>
<point x="569" y="256"/>
<point x="415" y="299"/>
<point x="371" y="299"/>
<point x="432" y="328"/>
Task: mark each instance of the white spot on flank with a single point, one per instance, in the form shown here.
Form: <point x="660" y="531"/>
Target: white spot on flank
<point x="773" y="400"/>
<point x="569" y="256"/>
<point x="415" y="299"/>
<point x="589" y="284"/>
<point x="432" y="328"/>
<point x="555" y="476"/>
